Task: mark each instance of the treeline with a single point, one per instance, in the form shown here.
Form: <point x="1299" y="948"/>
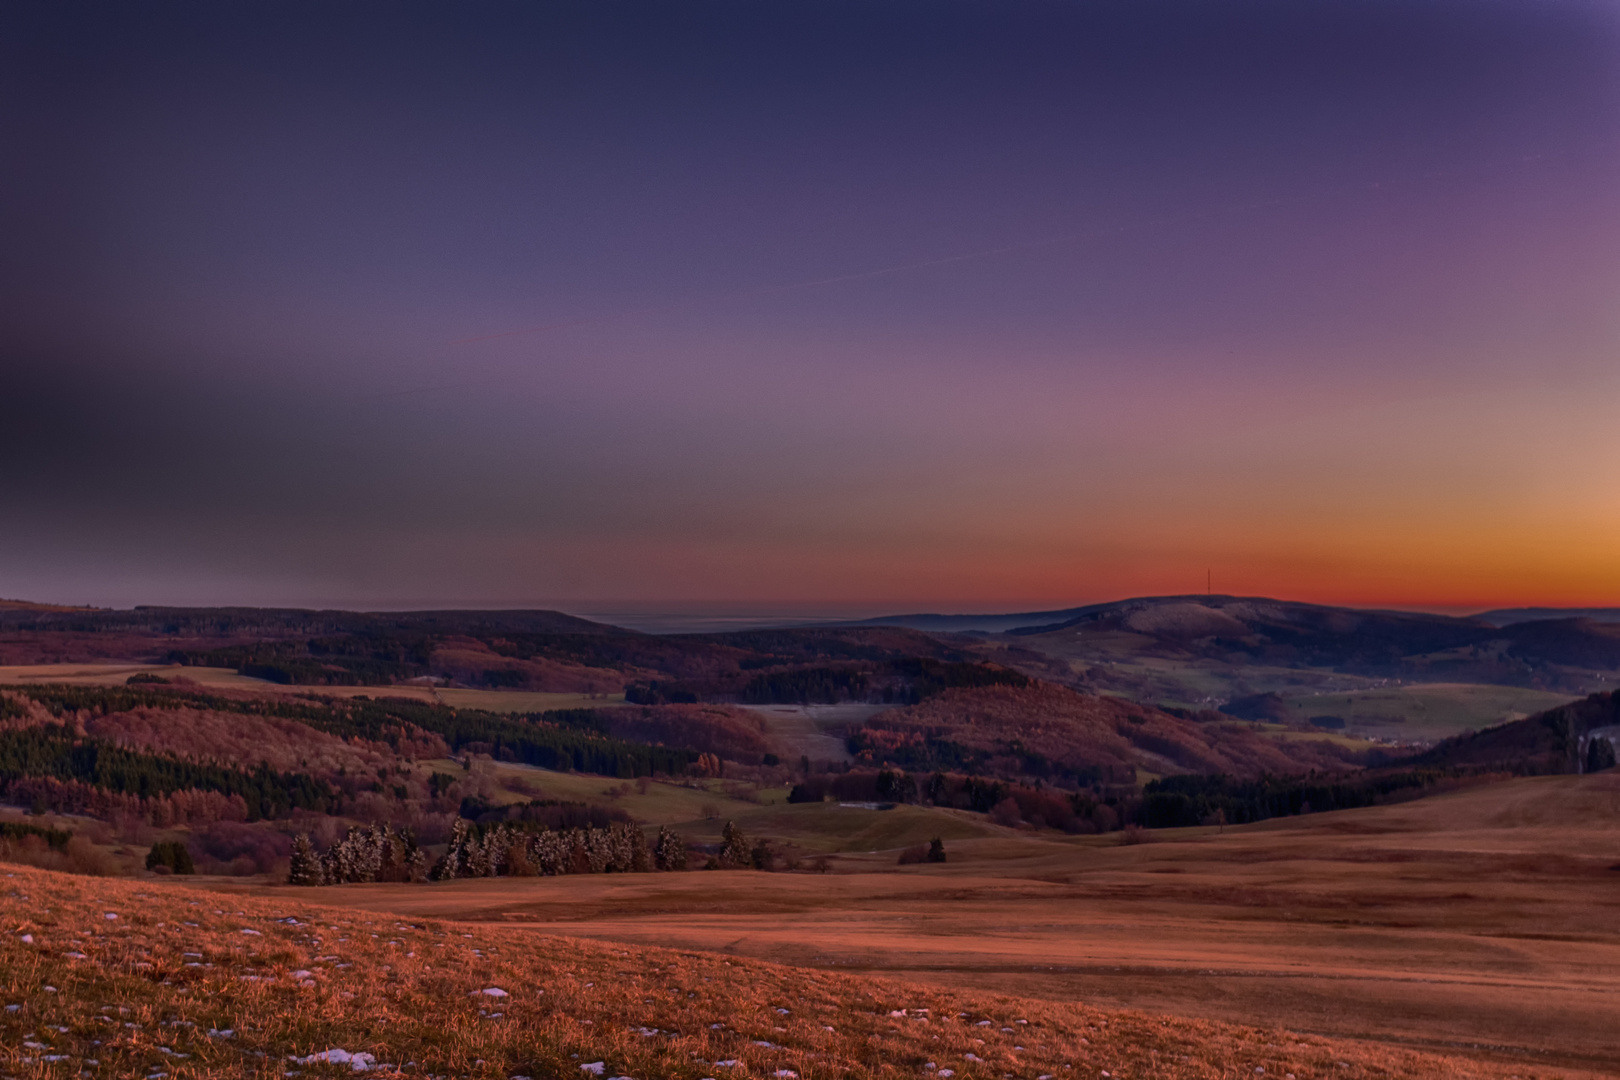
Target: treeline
<point x="1178" y="801"/>
<point x="895" y="786"/>
<point x="53" y="751"/>
<point x="507" y="850"/>
<point x="807" y="686"/>
<point x="923" y="752"/>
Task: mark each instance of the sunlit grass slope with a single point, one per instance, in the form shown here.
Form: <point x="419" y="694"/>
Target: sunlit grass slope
<point x="112" y="978"/>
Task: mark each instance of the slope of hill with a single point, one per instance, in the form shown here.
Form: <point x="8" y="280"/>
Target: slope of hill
<point x="155" y="979"/>
<point x="1509" y="616"/>
<point x="1548" y="742"/>
<point x="1059" y="733"/>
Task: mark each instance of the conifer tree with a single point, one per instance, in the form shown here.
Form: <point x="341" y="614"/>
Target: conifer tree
<point x="669" y="852"/>
<point x="735" y="850"/>
<point x="305" y="867"/>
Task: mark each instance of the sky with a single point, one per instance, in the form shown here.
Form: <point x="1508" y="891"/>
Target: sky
<point x="830" y="307"/>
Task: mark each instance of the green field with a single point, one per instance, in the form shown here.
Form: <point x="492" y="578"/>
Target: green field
<point x="663" y="803"/>
<point x="1425" y="711"/>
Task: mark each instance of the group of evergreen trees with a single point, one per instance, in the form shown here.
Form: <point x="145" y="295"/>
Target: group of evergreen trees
<point x="737" y="852"/>
<point x="508" y="850"/>
<point x="1194" y="799"/>
<point x="363" y="855"/>
<point x="54" y="751"/>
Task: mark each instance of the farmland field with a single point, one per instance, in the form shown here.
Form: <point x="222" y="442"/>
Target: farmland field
<point x="1424" y="710"/>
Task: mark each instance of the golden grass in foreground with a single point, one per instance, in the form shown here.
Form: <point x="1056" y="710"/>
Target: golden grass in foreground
<point x="190" y="983"/>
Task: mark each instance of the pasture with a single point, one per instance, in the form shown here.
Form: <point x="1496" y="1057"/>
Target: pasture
<point x="1479" y="922"/>
<point x="1423" y="711"/>
<point x="161" y="979"/>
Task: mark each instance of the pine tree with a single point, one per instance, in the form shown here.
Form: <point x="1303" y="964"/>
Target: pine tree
<point x="305" y="867"/>
<point x="735" y="850"/>
<point x="669" y="852"/>
<point x="936" y="850"/>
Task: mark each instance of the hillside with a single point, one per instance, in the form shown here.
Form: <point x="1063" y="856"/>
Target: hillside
<point x="1509" y="616"/>
<point x="1548" y="742"/>
<point x="154" y="979"/>
<point x="1054" y="732"/>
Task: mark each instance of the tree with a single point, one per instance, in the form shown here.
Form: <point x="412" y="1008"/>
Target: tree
<point x="735" y="850"/>
<point x="172" y="856"/>
<point x="305" y="866"/>
<point x="669" y="851"/>
<point x="936" y="850"/>
<point x="762" y="856"/>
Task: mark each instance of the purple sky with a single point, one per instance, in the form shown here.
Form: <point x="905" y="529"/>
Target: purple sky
<point x="846" y="305"/>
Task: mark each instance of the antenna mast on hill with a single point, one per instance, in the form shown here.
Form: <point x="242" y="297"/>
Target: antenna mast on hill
<point x="1209" y="582"/>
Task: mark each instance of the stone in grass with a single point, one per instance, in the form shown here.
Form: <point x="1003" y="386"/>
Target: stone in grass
<point x="595" y="1068"/>
<point x="493" y="991"/>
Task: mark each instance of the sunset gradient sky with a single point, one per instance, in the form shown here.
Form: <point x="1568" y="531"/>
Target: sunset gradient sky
<point x="822" y="306"/>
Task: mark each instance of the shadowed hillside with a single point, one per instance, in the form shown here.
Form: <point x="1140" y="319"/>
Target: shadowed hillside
<point x="1051" y="731"/>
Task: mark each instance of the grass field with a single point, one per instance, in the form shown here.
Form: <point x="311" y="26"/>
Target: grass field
<point x="1480" y="921"/>
<point x="661" y="803"/>
<point x="1425" y="711"/>
<point x="155" y="979"/>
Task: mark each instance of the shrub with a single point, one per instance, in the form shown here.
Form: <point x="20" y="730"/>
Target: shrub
<point x="913" y="855"/>
<point x="936" y="850"/>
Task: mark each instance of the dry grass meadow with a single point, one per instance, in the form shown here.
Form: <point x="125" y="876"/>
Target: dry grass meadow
<point x="149" y="979"/>
<point x="1471" y="934"/>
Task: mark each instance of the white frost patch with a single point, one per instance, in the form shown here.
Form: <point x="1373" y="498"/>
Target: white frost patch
<point x="595" y="1068"/>
<point x="110" y="915"/>
<point x="493" y="991"/>
<point x="358" y="1062"/>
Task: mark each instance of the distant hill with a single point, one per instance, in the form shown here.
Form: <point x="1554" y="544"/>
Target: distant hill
<point x="259" y="623"/>
<point x="967" y="624"/>
<point x="1509" y="616"/>
<point x="1233" y="632"/>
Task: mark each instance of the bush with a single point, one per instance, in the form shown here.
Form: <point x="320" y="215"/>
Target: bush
<point x="936" y="850"/>
<point x="913" y="855"/>
<point x="172" y="856"/>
